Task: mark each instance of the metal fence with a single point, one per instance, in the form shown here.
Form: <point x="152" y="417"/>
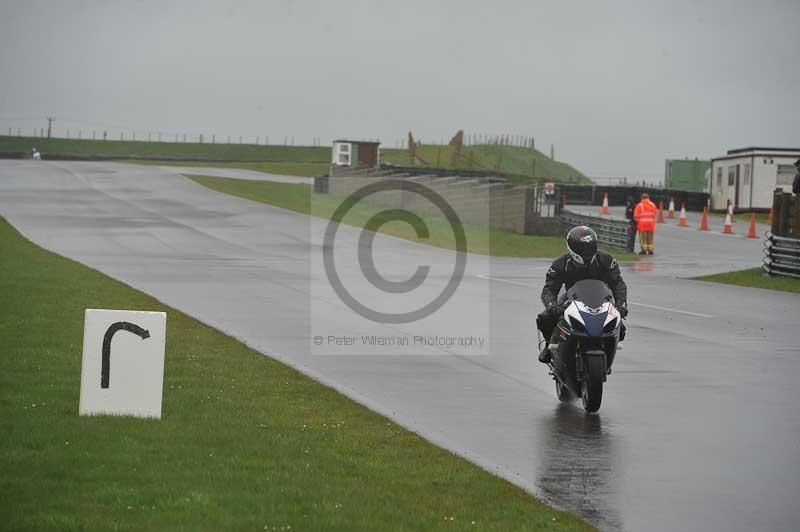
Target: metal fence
<point x="614" y="233"/>
<point x="782" y="256"/>
<point x="593" y="195"/>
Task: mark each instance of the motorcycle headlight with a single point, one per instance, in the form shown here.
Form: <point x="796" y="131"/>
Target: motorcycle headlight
<point x="576" y="324"/>
<point x="610" y="326"/>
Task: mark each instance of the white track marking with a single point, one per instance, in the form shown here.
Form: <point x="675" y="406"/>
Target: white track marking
<point x="500" y="280"/>
<point x="665" y="309"/>
<point x="699" y="315"/>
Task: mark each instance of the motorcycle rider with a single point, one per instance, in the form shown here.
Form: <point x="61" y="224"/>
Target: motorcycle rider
<point x="582" y="261"/>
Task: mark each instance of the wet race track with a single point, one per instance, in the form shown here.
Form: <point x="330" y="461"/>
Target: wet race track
<point x="699" y="428"/>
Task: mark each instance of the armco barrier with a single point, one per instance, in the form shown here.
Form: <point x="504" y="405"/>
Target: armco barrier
<point x="610" y="232"/>
<point x="782" y="256"/>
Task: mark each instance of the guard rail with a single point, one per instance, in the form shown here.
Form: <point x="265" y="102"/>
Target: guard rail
<point x="781" y="256"/>
<point x="611" y="232"/>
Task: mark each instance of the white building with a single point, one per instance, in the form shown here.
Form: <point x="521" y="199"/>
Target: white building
<point x="747" y="177"/>
<point x="355" y="153"/>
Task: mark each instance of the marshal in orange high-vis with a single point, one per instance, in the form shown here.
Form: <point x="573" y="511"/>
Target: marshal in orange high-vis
<point x="645" y="216"/>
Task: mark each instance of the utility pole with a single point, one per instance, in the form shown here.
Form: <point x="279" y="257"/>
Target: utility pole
<point x="50" y="120"/>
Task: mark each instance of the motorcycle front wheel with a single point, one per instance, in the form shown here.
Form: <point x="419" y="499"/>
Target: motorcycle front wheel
<point x="592" y="385"/>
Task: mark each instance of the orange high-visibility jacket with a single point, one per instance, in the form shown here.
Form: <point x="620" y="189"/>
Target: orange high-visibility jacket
<point x="645" y="215"/>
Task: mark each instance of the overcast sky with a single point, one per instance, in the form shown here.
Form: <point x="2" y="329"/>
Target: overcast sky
<point x="616" y="86"/>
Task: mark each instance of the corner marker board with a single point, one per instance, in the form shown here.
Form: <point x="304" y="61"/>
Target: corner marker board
<point x="123" y="362"/>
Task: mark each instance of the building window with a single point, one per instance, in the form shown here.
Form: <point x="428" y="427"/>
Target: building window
<point x="731" y="176"/>
<point x="344" y="148"/>
<point x="785" y="175"/>
<point x="719" y="176"/>
<point x="344" y="158"/>
<point x="746" y="175"/>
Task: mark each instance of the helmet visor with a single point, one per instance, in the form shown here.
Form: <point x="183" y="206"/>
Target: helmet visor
<point x="583" y="252"/>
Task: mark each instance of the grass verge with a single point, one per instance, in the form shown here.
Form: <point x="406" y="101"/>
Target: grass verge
<point x="480" y="240"/>
<point x="522" y="164"/>
<point x="761" y="217"/>
<point x="755" y="278"/>
<point x="281" y="168"/>
<point x="245" y="443"/>
<point x="194" y="152"/>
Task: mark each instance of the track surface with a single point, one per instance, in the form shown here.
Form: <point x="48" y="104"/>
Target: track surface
<point x="699" y="428"/>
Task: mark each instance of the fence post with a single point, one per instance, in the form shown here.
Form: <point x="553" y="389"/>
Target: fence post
<point x="796" y="228"/>
<point x="776" y="211"/>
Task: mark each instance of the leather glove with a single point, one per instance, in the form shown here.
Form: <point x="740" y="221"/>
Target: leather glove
<point x="622" y="308"/>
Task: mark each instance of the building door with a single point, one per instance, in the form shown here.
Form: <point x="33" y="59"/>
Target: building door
<point x="368" y="155"/>
<point x="747" y="186"/>
<point x="736" y="201"/>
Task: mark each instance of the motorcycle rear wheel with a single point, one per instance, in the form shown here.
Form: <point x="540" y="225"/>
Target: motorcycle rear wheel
<point x="563" y="393"/>
<point x="592" y="385"/>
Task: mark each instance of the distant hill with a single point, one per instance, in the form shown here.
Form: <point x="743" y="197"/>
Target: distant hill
<point x="524" y="164"/>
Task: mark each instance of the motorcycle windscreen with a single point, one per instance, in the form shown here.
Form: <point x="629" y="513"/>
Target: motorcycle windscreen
<point x="590" y="292"/>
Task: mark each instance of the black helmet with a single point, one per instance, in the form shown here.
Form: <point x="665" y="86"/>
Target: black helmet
<point x="582" y="244"/>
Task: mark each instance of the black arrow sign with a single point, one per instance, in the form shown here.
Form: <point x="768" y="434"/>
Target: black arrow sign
<point x="105" y="370"/>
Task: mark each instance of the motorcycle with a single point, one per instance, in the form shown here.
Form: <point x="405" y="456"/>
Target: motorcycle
<point x="588" y="336"/>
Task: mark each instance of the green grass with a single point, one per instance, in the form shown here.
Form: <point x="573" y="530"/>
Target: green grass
<point x="290" y="168"/>
<point x="164" y="150"/>
<point x="523" y="164"/>
<point x="480" y="240"/>
<point x="761" y="217"/>
<point x="755" y="278"/>
<point x="245" y="442"/>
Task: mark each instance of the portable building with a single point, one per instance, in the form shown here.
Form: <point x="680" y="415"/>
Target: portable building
<point x="747" y="177"/>
<point x="355" y="153"/>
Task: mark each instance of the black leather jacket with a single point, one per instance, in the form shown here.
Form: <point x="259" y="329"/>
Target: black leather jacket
<point x="565" y="272"/>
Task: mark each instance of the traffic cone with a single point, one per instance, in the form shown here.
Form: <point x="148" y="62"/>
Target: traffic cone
<point x="682" y="219"/>
<point x="604" y="208"/>
<point x="728" y="229"/>
<point x="671" y="212"/>
<point x="704" y="220"/>
<point x="660" y="216"/>
<point x="751" y="232"/>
